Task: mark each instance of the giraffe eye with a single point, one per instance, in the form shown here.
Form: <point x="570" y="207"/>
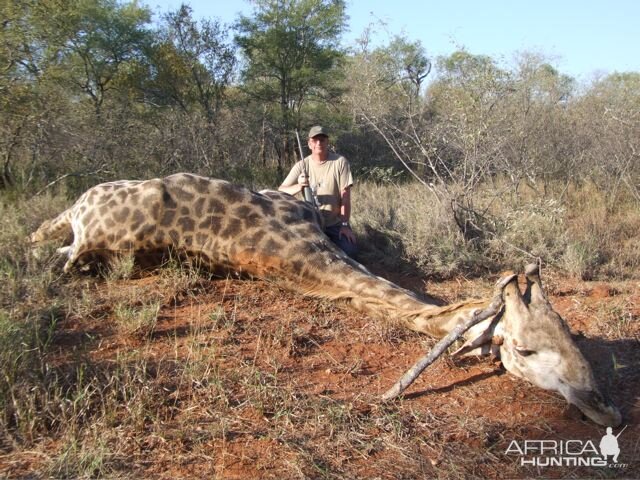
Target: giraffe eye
<point x="523" y="352"/>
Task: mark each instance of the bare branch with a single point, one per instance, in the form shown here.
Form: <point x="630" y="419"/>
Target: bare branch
<point x="101" y="169"/>
<point x="478" y="316"/>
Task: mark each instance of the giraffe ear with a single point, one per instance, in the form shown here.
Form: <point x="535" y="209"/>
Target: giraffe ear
<point x="513" y="300"/>
<point x="534" y="294"/>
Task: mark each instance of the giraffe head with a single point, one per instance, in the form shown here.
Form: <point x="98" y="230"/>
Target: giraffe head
<point x="537" y="346"/>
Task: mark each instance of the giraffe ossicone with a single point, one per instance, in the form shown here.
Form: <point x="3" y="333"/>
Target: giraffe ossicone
<point x="272" y="235"/>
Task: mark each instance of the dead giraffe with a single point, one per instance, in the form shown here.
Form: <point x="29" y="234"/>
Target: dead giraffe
<point x="273" y="236"/>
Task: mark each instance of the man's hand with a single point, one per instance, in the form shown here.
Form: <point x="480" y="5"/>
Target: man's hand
<point x="303" y="180"/>
<point x="345" y="231"/>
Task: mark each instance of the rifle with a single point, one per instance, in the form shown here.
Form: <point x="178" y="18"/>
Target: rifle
<point x="306" y="191"/>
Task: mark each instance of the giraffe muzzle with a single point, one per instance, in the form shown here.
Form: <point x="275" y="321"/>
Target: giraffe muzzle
<point x="595" y="406"/>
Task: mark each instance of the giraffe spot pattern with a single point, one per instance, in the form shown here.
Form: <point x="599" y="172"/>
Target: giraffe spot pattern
<point x="213" y="218"/>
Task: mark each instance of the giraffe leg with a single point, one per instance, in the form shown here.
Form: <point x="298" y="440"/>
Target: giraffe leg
<point x="64" y="251"/>
<point x="72" y="254"/>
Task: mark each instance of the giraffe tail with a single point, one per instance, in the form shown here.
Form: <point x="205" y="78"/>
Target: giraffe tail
<point x="56" y="228"/>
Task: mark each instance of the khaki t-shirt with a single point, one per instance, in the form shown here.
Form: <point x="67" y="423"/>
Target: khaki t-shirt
<point x="327" y="180"/>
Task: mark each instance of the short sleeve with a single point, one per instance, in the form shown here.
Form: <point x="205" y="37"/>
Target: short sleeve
<point x="346" y="178"/>
<point x="292" y="178"/>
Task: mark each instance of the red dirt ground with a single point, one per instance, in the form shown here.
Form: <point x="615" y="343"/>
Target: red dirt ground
<point x="328" y="352"/>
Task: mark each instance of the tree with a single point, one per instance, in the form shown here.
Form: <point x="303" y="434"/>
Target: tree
<point x="291" y="50"/>
<point x="410" y="65"/>
<point x="384" y="96"/>
<point x="191" y="64"/>
<point x="536" y="140"/>
<point x="442" y="139"/>
<point x="13" y="90"/>
<point x="90" y="40"/>
<point x="608" y="117"/>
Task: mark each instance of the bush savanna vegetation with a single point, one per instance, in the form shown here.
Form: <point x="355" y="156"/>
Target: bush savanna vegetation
<point x="464" y="166"/>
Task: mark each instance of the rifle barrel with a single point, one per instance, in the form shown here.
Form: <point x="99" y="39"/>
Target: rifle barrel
<point x="620" y="432"/>
<point x="299" y="146"/>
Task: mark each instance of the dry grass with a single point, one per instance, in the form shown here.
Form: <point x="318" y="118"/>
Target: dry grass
<point x="578" y="230"/>
<point x="405" y="229"/>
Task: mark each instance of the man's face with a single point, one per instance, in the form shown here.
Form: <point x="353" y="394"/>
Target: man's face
<point x="319" y="145"/>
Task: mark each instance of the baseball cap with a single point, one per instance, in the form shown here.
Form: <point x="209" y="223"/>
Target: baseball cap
<point x="318" y="130"/>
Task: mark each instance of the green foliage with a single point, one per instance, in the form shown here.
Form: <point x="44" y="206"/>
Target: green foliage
<point x="295" y="43"/>
<point x="291" y="50"/>
<point x="190" y="64"/>
<point x="411" y="63"/>
<point x="382" y="175"/>
<point x="468" y="88"/>
<point x="89" y="42"/>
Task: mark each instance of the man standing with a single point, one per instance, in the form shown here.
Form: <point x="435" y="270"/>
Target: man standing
<point x="330" y="179"/>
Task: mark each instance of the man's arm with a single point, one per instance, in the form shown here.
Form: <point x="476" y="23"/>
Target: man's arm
<point x="292" y="189"/>
<point x="345" y="204"/>
<point x="345" y="213"/>
<point x="290" y="184"/>
<point x="345" y="180"/>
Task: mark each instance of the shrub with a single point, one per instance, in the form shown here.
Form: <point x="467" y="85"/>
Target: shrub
<point x="402" y="227"/>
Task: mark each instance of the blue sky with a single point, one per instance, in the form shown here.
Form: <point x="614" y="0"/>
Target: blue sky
<point x="581" y="38"/>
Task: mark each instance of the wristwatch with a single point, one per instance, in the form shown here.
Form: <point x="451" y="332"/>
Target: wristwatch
<point x="345" y="224"/>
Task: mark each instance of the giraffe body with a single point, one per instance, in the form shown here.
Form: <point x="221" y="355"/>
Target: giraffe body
<point x="268" y="235"/>
<point x="273" y="236"/>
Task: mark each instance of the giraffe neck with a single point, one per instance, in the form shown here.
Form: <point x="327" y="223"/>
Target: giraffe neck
<point x="333" y="276"/>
